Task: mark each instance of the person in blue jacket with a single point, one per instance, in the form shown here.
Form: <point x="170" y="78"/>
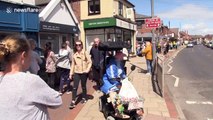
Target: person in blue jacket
<point x="112" y="77"/>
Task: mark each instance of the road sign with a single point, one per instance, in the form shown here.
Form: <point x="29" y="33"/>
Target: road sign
<point x="153" y="23"/>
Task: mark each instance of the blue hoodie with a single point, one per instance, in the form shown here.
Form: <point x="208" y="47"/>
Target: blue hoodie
<point x="113" y="70"/>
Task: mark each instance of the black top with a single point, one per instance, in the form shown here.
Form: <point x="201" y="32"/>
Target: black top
<point x="97" y="56"/>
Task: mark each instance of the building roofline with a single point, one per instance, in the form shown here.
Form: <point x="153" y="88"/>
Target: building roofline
<point x="51" y="6"/>
<point x="18" y="3"/>
<point x="124" y="19"/>
<point x="129" y="3"/>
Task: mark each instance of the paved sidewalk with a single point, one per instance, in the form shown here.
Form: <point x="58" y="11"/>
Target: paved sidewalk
<point x="155" y="107"/>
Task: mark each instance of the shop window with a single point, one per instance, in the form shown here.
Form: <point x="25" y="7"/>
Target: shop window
<point x="120" y="9"/>
<point x="94" y="7"/>
<point x="127" y="35"/>
<point x="109" y="34"/>
<point x="91" y="35"/>
<point x="118" y="34"/>
<point x="53" y="38"/>
<point x="139" y="24"/>
<point x="64" y="38"/>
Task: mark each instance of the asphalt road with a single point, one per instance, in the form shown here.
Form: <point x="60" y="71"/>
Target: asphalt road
<point x="194" y="91"/>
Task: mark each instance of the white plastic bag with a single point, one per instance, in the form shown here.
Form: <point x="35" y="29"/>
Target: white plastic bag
<point x="127" y="91"/>
<point x="137" y="104"/>
<point x="129" y="95"/>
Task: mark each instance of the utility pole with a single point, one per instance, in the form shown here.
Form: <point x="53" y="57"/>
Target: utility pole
<point x="153" y="32"/>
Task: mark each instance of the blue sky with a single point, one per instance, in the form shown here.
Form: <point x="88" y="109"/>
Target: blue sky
<point x="194" y="16"/>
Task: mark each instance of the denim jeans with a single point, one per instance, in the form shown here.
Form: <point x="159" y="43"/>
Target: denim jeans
<point x="149" y="66"/>
<point x="65" y="79"/>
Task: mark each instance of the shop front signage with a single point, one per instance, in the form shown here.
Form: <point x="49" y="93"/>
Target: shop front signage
<point x="105" y="22"/>
<point x="124" y="24"/>
<point x="58" y="28"/>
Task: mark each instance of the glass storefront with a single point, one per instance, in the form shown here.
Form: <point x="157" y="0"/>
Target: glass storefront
<point x="53" y="38"/>
<point x="56" y="40"/>
<point x="108" y="34"/>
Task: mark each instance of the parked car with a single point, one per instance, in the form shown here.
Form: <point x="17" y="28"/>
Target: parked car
<point x="209" y="45"/>
<point x="190" y="45"/>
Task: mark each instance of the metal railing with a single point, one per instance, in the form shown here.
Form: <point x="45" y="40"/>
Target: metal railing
<point x="158" y="76"/>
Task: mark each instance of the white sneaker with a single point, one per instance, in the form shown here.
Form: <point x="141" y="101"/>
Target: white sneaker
<point x="148" y="74"/>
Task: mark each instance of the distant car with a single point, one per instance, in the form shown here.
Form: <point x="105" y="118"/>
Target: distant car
<point x="195" y="42"/>
<point x="210" y="44"/>
<point x="190" y="45"/>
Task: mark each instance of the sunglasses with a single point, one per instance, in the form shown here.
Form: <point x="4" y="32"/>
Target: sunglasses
<point x="78" y="44"/>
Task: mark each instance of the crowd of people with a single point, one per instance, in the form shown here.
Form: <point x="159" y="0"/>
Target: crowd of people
<point x="162" y="47"/>
<point x="19" y="79"/>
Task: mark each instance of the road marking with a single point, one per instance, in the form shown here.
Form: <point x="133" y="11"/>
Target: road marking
<point x="197" y="102"/>
<point x="170" y="67"/>
<point x="176" y="81"/>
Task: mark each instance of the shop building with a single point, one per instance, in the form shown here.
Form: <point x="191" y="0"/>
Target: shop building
<point x="18" y="18"/>
<point x="109" y="20"/>
<point x="57" y="23"/>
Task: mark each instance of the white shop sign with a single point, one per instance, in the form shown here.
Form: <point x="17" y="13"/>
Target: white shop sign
<point x="124" y="24"/>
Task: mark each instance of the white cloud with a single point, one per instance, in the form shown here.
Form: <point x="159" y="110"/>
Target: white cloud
<point x="195" y="19"/>
<point x="188" y="12"/>
<point x="199" y="28"/>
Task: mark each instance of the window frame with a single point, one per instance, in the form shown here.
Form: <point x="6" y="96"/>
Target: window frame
<point x="120" y="8"/>
<point x="94" y="5"/>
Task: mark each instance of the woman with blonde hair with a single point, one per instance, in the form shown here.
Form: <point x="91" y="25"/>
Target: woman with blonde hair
<point x="24" y="96"/>
<point x="81" y="64"/>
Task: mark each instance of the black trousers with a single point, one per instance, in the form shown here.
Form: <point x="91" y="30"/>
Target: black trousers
<point x="51" y="79"/>
<point x="97" y="74"/>
<point x="77" y="78"/>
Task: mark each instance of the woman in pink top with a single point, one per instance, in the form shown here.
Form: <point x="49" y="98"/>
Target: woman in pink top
<point x="50" y="58"/>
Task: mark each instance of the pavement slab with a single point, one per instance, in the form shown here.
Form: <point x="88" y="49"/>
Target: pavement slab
<point x="157" y="117"/>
